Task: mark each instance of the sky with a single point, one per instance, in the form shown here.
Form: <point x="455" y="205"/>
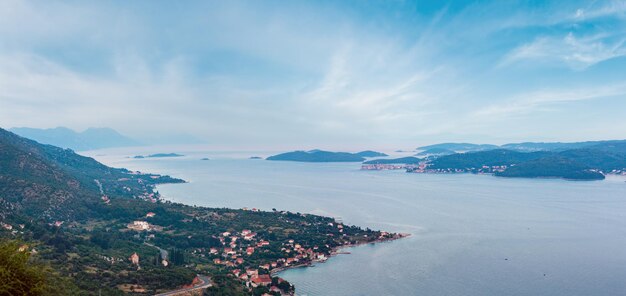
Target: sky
<point x="318" y="74"/>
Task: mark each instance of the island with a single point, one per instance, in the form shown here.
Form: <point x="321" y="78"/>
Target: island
<point x="370" y="153"/>
<point x="552" y="167"/>
<point x="107" y="231"/>
<point x="159" y="155"/>
<point x="592" y="162"/>
<point x="317" y="155"/>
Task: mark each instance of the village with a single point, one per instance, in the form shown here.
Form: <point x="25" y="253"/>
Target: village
<point x="423" y="167"/>
<point x="251" y="259"/>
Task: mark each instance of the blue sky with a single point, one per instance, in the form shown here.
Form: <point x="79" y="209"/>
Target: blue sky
<point x="334" y="74"/>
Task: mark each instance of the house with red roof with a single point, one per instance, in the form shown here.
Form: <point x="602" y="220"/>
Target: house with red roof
<point x="262" y="280"/>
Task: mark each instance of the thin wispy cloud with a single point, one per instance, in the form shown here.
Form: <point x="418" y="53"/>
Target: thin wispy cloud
<point x="531" y="102"/>
<point x="361" y="72"/>
<point x="577" y="53"/>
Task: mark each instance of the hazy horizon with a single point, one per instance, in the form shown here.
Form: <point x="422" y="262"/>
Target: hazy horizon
<point x="332" y="75"/>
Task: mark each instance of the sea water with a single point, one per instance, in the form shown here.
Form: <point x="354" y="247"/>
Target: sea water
<point x="470" y="234"/>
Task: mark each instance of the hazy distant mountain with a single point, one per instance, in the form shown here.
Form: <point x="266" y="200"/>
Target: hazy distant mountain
<point x="460" y="147"/>
<point x="366" y="153"/>
<point x="522" y="147"/>
<point x="557" y="146"/>
<point x="160" y="155"/>
<point x="370" y="153"/>
<point x="91" y="138"/>
<point x="435" y="152"/>
<point x="402" y="160"/>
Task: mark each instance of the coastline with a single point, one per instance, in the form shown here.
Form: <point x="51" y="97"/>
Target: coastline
<point x="336" y="251"/>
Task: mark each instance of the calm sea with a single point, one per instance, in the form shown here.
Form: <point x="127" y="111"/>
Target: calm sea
<point x="471" y="235"/>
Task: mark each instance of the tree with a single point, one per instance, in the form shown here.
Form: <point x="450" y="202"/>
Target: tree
<point x="19" y="275"/>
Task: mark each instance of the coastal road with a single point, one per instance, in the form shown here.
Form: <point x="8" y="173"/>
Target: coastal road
<point x="205" y="282"/>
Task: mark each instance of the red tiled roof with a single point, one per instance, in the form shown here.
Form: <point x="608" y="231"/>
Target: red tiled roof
<point x="262" y="279"/>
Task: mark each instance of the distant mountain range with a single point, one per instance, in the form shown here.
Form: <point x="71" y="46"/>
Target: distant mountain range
<point x="460" y="147"/>
<point x="160" y="155"/>
<point x="435" y="152"/>
<point x="91" y="138"/>
<point x="370" y="153"/>
<point x="317" y="155"/>
<point x="523" y="147"/>
<point x="556" y="146"/>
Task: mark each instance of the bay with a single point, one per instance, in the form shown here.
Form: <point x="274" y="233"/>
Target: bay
<point x="470" y="234"/>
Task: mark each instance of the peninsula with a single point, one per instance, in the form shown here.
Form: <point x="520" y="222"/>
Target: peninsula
<point x="106" y="231"/>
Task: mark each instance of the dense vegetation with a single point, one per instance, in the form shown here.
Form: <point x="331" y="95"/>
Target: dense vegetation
<point x="20" y="274"/>
<point x="85" y="220"/>
<point x="590" y="163"/>
<point x="317" y="156"/>
<point x="552" y="167"/>
<point x="484" y="158"/>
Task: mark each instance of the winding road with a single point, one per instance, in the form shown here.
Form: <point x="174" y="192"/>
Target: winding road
<point x="205" y="282"/>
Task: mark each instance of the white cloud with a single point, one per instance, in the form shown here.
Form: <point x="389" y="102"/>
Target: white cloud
<point x="241" y="71"/>
<point x="577" y="53"/>
<point x="530" y="102"/>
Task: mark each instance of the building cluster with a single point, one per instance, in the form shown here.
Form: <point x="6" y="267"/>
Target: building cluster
<point x="380" y="167"/>
<point x="424" y="168"/>
<point x="6" y="226"/>
<point x="143" y="226"/>
<point x="237" y="247"/>
<point x="108" y="259"/>
<point x="13" y="230"/>
<point x="621" y="172"/>
<point x="106" y="199"/>
<point x="148" y="196"/>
